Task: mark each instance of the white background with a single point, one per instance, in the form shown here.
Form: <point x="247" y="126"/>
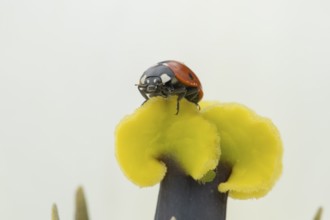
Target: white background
<point x="67" y="75"/>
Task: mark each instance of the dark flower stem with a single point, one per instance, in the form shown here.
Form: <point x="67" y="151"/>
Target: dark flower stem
<point x="183" y="198"/>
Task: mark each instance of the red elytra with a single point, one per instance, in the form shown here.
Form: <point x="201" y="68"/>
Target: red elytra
<point x="185" y="75"/>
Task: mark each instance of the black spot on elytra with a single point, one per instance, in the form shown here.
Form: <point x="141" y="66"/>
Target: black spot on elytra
<point x="191" y="76"/>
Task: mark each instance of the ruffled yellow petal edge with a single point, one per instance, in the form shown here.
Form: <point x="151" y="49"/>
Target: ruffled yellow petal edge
<point x="251" y="144"/>
<point x="154" y="132"/>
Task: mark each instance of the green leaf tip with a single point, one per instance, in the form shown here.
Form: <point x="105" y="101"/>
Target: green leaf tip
<point x="55" y="213"/>
<point x="81" y="207"/>
<point x="318" y="214"/>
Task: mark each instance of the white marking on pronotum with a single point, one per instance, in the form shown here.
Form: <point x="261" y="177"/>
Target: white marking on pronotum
<point x="165" y="78"/>
<point x="143" y="79"/>
<point x="173" y="218"/>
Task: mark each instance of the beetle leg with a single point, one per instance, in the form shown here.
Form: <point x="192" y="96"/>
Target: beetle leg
<point x="181" y="93"/>
<point x="180" y="96"/>
<point x="144" y="95"/>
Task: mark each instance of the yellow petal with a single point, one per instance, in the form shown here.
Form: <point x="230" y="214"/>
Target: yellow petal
<point x="153" y="132"/>
<point x="251" y="144"/>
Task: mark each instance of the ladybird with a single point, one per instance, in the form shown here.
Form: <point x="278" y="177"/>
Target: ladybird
<point x="171" y="78"/>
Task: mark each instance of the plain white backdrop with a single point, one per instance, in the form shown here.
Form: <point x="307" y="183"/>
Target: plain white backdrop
<point x="67" y="75"/>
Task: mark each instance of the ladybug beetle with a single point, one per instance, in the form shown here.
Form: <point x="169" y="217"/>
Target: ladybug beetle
<point x="171" y="78"/>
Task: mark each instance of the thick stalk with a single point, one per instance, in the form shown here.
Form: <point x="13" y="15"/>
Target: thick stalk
<point x="183" y="198"/>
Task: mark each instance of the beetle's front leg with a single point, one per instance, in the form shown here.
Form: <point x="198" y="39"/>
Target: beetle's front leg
<point x="143" y="94"/>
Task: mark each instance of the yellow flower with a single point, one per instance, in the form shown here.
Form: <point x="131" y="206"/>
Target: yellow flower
<point x="154" y="131"/>
<point x="251" y="144"/>
<point x="196" y="141"/>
